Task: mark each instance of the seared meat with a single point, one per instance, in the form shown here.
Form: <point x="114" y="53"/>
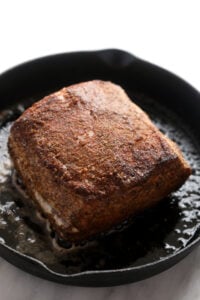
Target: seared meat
<point x="90" y="158"/>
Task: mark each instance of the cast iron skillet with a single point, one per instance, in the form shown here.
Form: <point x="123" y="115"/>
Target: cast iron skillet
<point x="160" y="237"/>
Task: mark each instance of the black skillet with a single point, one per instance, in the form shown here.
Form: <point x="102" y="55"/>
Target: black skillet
<point x="156" y="239"/>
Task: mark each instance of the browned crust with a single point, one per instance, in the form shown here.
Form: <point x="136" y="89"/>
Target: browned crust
<point x="94" y="156"/>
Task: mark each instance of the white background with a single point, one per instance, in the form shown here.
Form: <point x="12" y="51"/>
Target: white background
<point x="164" y="32"/>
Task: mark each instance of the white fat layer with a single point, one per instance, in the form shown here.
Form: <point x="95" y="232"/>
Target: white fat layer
<point x="47" y="208"/>
<point x="44" y="205"/>
<point x="58" y="220"/>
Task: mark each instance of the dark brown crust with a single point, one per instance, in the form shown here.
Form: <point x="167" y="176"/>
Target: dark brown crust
<point x="94" y="157"/>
